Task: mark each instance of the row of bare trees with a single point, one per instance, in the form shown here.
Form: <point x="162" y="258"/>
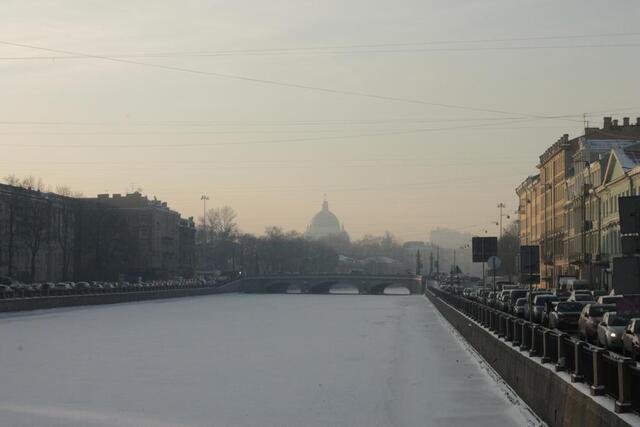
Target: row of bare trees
<point x="223" y="246"/>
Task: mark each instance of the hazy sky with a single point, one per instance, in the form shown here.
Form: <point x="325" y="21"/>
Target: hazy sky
<point x="272" y="151"/>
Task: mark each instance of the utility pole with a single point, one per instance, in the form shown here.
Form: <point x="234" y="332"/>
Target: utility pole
<point x="431" y="264"/>
<point x="204" y="199"/>
<point x="455" y="266"/>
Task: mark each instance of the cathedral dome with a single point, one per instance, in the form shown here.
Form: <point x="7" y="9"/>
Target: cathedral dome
<point x="326" y="219"/>
<point x="324" y="224"/>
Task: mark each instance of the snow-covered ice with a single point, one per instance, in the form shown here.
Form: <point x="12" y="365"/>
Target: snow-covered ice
<point x="245" y="360"/>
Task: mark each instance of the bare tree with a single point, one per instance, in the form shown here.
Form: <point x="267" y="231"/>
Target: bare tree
<point x="32" y="183"/>
<point x="221" y="223"/>
<point x="64" y="190"/>
<point x="13" y="180"/>
<point x="63" y="231"/>
<point x="36" y="218"/>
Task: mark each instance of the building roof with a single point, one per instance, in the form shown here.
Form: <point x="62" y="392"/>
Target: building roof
<point x="626" y="158"/>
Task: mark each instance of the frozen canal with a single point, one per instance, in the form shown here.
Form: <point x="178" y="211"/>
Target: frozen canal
<point x="245" y="360"/>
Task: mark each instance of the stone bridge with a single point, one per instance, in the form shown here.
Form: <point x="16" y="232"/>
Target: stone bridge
<point x="323" y="283"/>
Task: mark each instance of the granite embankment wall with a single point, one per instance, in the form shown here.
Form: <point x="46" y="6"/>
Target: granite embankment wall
<point x="551" y="396"/>
<point x="40" y="303"/>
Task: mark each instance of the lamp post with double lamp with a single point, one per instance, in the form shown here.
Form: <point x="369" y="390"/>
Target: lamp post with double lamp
<point x="204" y="199"/>
<point x="598" y="197"/>
<point x="501" y="206"/>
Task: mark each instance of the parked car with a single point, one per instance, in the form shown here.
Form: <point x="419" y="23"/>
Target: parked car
<point x="565" y="315"/>
<point x="562" y="294"/>
<point x="6" y="291"/>
<point x="597" y="293"/>
<point x="539" y="305"/>
<point x="491" y="299"/>
<point x="514" y="295"/>
<point x="631" y="338"/>
<point x="608" y="299"/>
<point x="47" y="288"/>
<point x="590" y="317"/>
<point x="82" y="286"/>
<point x="503" y="300"/>
<point x="22" y="290"/>
<point x="96" y="287"/>
<point x="583" y="298"/>
<point x="518" y="307"/>
<point x="530" y="296"/>
<point x="574" y="284"/>
<point x="62" y="288"/>
<point x="611" y="329"/>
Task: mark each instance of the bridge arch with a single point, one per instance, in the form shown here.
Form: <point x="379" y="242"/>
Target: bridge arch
<point x="322" y="287"/>
<point x="344" y="288"/>
<point x="389" y="288"/>
<point x="277" y="288"/>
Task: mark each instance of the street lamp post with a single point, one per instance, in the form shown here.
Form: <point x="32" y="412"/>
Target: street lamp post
<point x="204" y="199"/>
<point x="501" y="206"/>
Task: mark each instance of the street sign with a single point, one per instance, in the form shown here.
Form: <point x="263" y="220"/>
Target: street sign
<point x="483" y="248"/>
<point x="630" y="245"/>
<point x="529" y="259"/>
<point x="626" y="275"/>
<point x="629" y="208"/>
<point x="494" y="263"/>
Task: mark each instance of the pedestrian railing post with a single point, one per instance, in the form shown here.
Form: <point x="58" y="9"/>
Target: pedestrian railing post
<point x="494" y="320"/>
<point x="561" y="364"/>
<point x="524" y="341"/>
<point x="597" y="388"/>
<point x="533" y="348"/>
<point x="623" y="404"/>
<point x="546" y="346"/>
<point x="517" y="333"/>
<point x="577" y="376"/>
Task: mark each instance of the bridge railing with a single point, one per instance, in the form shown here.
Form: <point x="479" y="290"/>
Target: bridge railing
<point x="605" y="373"/>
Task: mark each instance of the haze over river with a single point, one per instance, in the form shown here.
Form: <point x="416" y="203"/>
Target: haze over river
<point x="245" y="360"/>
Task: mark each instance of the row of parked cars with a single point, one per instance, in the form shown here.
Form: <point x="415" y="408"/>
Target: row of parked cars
<point x="611" y="321"/>
<point x="11" y="289"/>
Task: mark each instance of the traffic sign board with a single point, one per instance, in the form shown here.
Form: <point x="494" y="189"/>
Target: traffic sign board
<point x="494" y="263"/>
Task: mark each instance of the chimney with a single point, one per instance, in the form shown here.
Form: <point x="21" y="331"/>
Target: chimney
<point x="625" y="121"/>
<point x="615" y="123"/>
<point x="607" y="123"/>
<point x="637" y="121"/>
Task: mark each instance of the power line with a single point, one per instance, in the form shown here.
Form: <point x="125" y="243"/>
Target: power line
<point x="143" y="123"/>
<point x="328" y="52"/>
<point x="334" y="52"/>
<point x="279" y="83"/>
<point x="273" y="141"/>
<point x="358" y="46"/>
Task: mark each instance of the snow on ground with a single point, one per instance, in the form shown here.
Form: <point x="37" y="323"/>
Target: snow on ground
<point x="245" y="360"/>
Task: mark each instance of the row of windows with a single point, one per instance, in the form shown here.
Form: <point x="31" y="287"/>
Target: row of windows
<point x="610" y="205"/>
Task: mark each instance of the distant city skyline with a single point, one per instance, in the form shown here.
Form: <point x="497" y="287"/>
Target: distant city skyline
<point x="423" y="115"/>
